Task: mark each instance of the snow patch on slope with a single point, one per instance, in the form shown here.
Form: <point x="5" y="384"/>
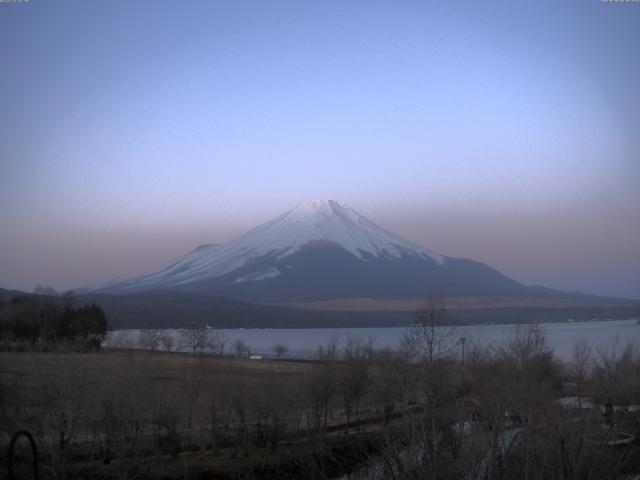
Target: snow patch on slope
<point x="257" y="276"/>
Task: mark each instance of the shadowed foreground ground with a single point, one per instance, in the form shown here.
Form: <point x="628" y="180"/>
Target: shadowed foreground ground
<point x="133" y="414"/>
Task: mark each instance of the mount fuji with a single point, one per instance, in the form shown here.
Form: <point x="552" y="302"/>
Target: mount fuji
<point x="320" y="250"/>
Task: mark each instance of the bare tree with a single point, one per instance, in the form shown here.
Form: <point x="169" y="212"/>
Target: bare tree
<point x="122" y="339"/>
<point x="149" y="339"/>
<point x="389" y="381"/>
<point x="616" y="375"/>
<point x="321" y="385"/>
<point x="355" y="378"/>
<point x="269" y="406"/>
<point x="526" y="343"/>
<point x="167" y="342"/>
<point x="216" y="411"/>
<point x="280" y="349"/>
<point x="192" y="382"/>
<point x="241" y="348"/>
<point x="580" y="364"/>
<point x="328" y="352"/>
<point x="63" y="396"/>
<point x="194" y="337"/>
<point x="431" y="337"/>
<point x="238" y="405"/>
<point x="124" y="420"/>
<point x="217" y="342"/>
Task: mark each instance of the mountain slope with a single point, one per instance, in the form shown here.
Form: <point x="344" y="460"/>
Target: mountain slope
<point x="319" y="250"/>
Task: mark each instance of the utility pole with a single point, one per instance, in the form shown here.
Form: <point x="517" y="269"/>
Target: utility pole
<point x="462" y="342"/>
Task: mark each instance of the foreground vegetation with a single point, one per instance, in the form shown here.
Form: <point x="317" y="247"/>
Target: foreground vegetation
<point x="46" y="321"/>
<point x="436" y="407"/>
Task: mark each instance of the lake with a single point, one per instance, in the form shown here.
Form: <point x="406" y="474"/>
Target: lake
<point x="602" y="335"/>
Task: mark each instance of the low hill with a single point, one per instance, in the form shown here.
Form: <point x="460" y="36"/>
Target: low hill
<point x="172" y="309"/>
<point x="165" y="308"/>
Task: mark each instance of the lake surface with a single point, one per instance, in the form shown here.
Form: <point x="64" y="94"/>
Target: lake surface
<point x="602" y="335"/>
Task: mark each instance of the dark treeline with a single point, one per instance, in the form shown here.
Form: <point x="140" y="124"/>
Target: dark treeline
<point x="45" y="320"/>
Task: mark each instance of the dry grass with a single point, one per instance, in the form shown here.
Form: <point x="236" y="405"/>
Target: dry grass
<point x="151" y="378"/>
<point x="373" y="305"/>
<point x="102" y="366"/>
<point x="72" y="392"/>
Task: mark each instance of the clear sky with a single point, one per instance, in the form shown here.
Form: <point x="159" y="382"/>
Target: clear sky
<point x="506" y="132"/>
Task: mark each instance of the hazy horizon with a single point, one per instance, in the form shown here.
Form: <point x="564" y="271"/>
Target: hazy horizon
<point x="507" y="133"/>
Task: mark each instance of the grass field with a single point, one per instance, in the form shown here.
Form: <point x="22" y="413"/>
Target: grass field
<point x="131" y="414"/>
<point x="33" y="367"/>
<point x="156" y="379"/>
<point x="411" y="305"/>
<point x="119" y="413"/>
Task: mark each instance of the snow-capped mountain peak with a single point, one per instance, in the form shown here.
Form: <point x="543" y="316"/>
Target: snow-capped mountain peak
<point x="313" y="222"/>
<point x="327" y="220"/>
